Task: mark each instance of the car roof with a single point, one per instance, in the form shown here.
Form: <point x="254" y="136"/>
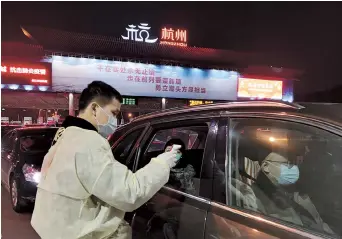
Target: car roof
<point x="237" y="105"/>
<point x="35" y="129"/>
<point x="326" y="112"/>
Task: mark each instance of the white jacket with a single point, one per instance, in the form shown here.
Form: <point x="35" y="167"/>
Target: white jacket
<point x="84" y="192"/>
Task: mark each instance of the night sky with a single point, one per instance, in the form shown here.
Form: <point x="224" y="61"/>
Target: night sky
<point x="303" y="35"/>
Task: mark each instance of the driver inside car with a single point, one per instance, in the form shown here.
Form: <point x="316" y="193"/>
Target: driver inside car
<point x="277" y="196"/>
<point x="271" y="193"/>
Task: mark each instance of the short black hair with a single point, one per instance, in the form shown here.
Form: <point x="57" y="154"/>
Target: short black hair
<point x="100" y="92"/>
<point x="176" y="141"/>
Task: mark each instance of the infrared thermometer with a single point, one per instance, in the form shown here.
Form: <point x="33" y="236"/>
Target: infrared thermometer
<point x="174" y="147"/>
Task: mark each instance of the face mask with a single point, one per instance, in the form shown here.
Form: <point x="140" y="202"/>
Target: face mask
<point x="109" y="128"/>
<point x="288" y="175"/>
<point x="178" y="156"/>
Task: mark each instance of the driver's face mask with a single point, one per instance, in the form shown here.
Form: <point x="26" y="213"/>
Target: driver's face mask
<point x="109" y="128"/>
<point x="178" y="156"/>
<point x="289" y="174"/>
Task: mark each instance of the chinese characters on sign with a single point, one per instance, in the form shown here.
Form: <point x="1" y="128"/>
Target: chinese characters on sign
<point x="258" y="88"/>
<point x="169" y="36"/>
<point x="200" y="102"/>
<point x="148" y="76"/>
<point x="174" y="37"/>
<point x="16" y="75"/>
<point x="136" y="79"/>
<point x="140" y="34"/>
<point x="22" y="70"/>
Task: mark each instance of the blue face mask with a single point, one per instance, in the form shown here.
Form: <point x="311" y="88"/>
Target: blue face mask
<point x="178" y="156"/>
<point x="107" y="129"/>
<point x="288" y="175"/>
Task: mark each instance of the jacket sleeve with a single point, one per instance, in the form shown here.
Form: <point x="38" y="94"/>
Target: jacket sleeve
<point x="115" y="184"/>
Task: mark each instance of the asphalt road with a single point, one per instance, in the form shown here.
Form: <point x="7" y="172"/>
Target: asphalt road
<point x="13" y="225"/>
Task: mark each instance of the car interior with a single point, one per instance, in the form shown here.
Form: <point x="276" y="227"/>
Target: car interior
<point x="193" y="137"/>
<point x="320" y="168"/>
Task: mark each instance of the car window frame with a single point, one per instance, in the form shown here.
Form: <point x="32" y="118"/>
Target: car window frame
<point x="174" y="123"/>
<point x="117" y="142"/>
<point x="292" y="118"/>
<point x="152" y="140"/>
<point x="11" y="141"/>
<point x="7" y="137"/>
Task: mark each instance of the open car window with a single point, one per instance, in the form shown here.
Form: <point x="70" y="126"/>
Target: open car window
<point x="31" y="143"/>
<point x="186" y="175"/>
<point x="193" y="138"/>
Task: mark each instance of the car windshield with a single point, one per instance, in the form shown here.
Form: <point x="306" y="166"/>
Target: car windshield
<point x="36" y="142"/>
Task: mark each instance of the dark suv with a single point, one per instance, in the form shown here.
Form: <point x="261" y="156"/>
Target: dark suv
<point x="228" y="181"/>
<point x="22" y="154"/>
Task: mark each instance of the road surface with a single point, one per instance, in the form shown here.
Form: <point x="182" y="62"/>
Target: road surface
<point x="13" y="225"/>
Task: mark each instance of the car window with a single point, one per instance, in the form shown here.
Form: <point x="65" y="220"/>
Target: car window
<point x="189" y="136"/>
<point x="288" y="171"/>
<point x="7" y="141"/>
<point x="123" y="149"/>
<point x="36" y="142"/>
<point x="186" y="175"/>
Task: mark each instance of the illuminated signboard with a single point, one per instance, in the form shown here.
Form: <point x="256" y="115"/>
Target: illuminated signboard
<point x="128" y="101"/>
<point x="174" y="37"/>
<point x="261" y="89"/>
<point x="5" y="120"/>
<point x="169" y="36"/>
<point x="31" y="75"/>
<point x="140" y="34"/>
<point x="200" y="102"/>
<point x="132" y="79"/>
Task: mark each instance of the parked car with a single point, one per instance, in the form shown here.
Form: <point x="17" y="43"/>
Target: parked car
<point x="6" y="128"/>
<point x="22" y="153"/>
<point x="232" y="194"/>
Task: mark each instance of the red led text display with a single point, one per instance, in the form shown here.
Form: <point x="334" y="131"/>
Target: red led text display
<point x="26" y="73"/>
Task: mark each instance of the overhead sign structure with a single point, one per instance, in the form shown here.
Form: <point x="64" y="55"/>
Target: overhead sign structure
<point x="50" y="120"/>
<point x="72" y="74"/>
<point x="27" y="120"/>
<point x="40" y="120"/>
<point x="140" y="34"/>
<point x="174" y="37"/>
<point x="17" y="74"/>
<point x="260" y="89"/>
<point x="5" y="120"/>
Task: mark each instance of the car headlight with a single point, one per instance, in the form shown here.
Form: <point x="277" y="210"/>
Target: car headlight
<point x="31" y="174"/>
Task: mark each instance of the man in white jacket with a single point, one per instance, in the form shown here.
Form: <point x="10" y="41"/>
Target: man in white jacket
<point x="84" y="192"/>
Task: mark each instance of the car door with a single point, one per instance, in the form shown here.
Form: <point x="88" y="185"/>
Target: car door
<point x="124" y="143"/>
<point x="243" y="207"/>
<point x="176" y="211"/>
<point x="7" y="155"/>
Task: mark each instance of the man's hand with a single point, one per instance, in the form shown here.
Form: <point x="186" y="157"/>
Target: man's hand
<point x="170" y="157"/>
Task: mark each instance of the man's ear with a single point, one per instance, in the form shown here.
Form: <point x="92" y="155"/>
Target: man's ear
<point x="93" y="106"/>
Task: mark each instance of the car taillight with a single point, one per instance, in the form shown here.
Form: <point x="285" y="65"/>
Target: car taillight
<point x="31" y="174"/>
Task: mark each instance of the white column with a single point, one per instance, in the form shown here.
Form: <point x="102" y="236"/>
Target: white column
<point x="163" y="103"/>
<point x="71" y="104"/>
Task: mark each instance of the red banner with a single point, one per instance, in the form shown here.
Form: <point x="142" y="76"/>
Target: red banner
<point x="26" y="73"/>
